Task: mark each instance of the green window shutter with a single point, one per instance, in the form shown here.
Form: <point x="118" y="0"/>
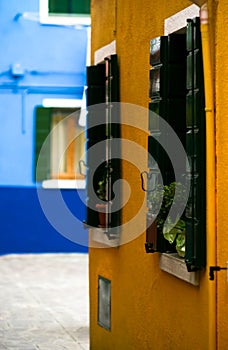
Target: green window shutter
<point x="112" y="79"/>
<point x="103" y="88"/>
<point x="158" y="93"/>
<point x="69" y="7"/>
<point x="195" y="148"/>
<point x="43" y="127"/>
<point x="95" y="98"/>
<point x="167" y="93"/>
<point x="113" y="132"/>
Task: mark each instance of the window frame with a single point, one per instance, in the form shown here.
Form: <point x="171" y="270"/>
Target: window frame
<point x="47" y="174"/>
<point x="171" y="262"/>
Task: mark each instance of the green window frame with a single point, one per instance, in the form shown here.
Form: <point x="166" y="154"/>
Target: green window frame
<point x="177" y="90"/>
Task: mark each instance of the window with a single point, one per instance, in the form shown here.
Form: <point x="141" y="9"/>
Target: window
<point x="177" y="95"/>
<point x="65" y="12"/>
<point x="59" y="130"/>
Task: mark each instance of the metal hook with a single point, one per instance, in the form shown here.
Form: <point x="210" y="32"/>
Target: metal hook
<point x="148" y="175"/>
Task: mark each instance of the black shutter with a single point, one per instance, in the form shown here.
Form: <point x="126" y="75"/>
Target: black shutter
<point x="95" y="133"/>
<point x="167" y="93"/>
<point x="177" y="95"/>
<point x="158" y="91"/>
<point x="102" y="92"/>
<point x="195" y="147"/>
<point x="113" y="146"/>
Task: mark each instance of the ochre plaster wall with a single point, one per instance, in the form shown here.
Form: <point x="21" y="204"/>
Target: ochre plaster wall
<point x="221" y="84"/>
<point x="150" y="309"/>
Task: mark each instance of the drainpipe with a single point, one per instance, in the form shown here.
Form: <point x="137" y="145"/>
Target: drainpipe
<point x="210" y="173"/>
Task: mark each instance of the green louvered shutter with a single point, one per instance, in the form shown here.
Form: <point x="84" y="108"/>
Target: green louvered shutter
<point x="102" y="91"/>
<point x="113" y="133"/>
<point x="95" y="133"/>
<point x="195" y="148"/>
<point x="158" y="106"/>
<point x="167" y="94"/>
<point x="177" y="95"/>
<point x="43" y="127"/>
<point x="69" y="6"/>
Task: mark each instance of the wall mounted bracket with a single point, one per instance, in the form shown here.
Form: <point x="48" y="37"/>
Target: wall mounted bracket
<point x="214" y="269"/>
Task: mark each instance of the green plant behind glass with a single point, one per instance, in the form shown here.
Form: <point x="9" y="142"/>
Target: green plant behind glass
<point x="175" y="228"/>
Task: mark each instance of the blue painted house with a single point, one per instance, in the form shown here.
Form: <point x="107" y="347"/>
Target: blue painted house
<point x="42" y="78"/>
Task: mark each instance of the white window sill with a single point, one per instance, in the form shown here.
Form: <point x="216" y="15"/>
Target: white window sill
<point x="64" y="184"/>
<point x="73" y="20"/>
<point x="99" y="235"/>
<point x="176" y="266"/>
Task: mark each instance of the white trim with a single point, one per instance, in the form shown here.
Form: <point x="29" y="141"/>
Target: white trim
<point x="62" y="102"/>
<point x="179" y="20"/>
<point x="64" y="184"/>
<point x="105" y="51"/>
<point x="88" y="50"/>
<point x="71" y="20"/>
<point x="66" y="21"/>
<point x="83" y="113"/>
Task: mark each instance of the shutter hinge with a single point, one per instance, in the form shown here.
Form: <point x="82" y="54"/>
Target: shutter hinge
<point x="214" y="269"/>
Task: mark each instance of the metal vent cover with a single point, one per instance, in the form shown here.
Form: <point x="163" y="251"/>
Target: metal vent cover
<point x="104" y="302"/>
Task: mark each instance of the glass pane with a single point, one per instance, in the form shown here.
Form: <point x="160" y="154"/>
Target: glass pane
<point x="155" y="81"/>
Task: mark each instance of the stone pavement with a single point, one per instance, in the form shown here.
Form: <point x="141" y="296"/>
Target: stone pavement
<point x="44" y="303"/>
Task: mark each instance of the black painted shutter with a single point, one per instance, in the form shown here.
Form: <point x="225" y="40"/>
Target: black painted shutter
<point x="177" y="95"/>
<point x="102" y="91"/>
<point x="113" y="146"/>
<point x="167" y="93"/>
<point x="195" y="147"/>
<point x="95" y="133"/>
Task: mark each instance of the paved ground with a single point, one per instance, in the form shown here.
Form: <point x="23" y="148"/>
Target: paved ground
<point x="44" y="302"/>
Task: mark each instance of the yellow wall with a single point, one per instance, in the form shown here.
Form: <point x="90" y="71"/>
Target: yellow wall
<point x="150" y="308"/>
<point x="221" y="13"/>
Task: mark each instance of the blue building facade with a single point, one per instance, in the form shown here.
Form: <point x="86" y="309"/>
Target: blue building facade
<point x="39" y="61"/>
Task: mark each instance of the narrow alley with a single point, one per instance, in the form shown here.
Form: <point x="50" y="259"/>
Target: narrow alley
<point x="44" y="302"/>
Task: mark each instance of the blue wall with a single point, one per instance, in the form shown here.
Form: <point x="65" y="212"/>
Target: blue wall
<point x="24" y="227"/>
<point x="52" y="61"/>
<point x="37" y="61"/>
